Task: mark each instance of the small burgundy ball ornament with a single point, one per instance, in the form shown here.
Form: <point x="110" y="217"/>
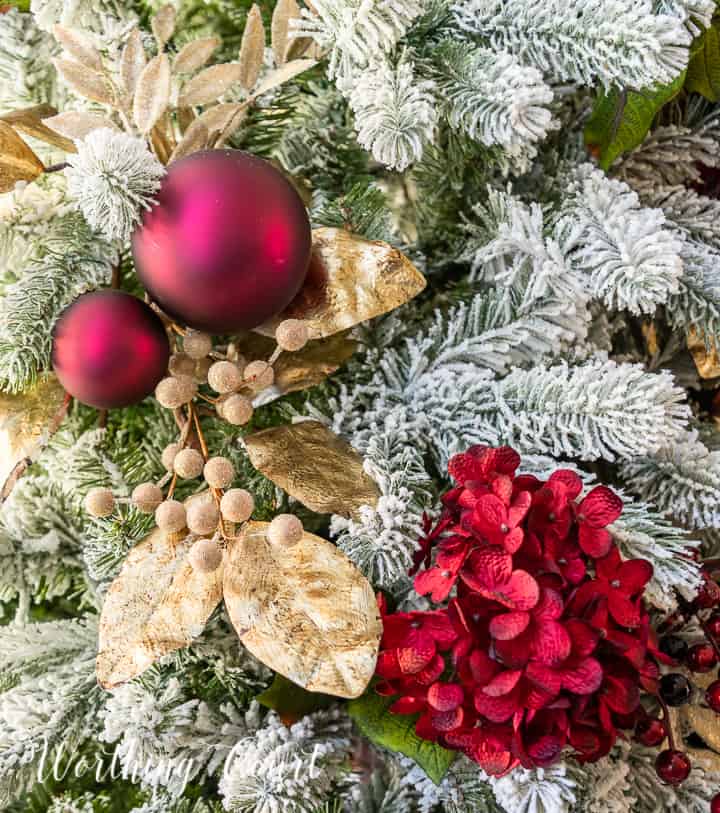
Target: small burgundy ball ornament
<point x="672" y="766"/>
<point x="109" y="349"/>
<point x="228" y="244"/>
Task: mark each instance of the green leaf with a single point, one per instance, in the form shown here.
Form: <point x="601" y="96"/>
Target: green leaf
<point x="397" y="733"/>
<point x="291" y="701"/>
<point x="703" y="73"/>
<point x="620" y="121"/>
<point x="21" y="5"/>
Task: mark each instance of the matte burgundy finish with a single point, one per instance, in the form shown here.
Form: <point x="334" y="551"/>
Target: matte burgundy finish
<point x="673" y="767"/>
<point x="228" y="244"/>
<point x="110" y="349"/>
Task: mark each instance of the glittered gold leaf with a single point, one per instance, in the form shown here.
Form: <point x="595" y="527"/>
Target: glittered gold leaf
<point x="79" y="47"/>
<point x="350" y="280"/>
<point x="306" y="611"/>
<point x="27" y="421"/>
<point x="285" y="10"/>
<point x="304" y="368"/>
<point x="315" y="466"/>
<point x="89" y="84"/>
<point x="704" y="353"/>
<point x="17" y="161"/>
<point x="195" y="54"/>
<point x="157" y="604"/>
<point x="252" y="49"/>
<point x="33" y="122"/>
<point x="210" y="84"/>
<point x="152" y="93"/>
<point x="196" y="138"/>
<point x="132" y="62"/>
<point x="283" y="74"/>
<point x="220" y="116"/>
<point x="78" y="125"/>
<point x="163" y="25"/>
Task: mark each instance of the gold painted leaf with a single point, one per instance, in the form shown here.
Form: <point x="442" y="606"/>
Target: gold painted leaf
<point x="283" y="74"/>
<point x="304" y="368"/>
<point x="196" y="138"/>
<point x="350" y="280"/>
<point x="157" y="604"/>
<point x="195" y="54"/>
<point x="132" y="62"/>
<point x="219" y="116"/>
<point x="252" y="48"/>
<point x="89" y="84"/>
<point x="33" y="122"/>
<point x="285" y="10"/>
<point x="17" y="161"/>
<point x="27" y="420"/>
<point x="314" y="465"/>
<point x="78" y="125"/>
<point x="704" y="353"/>
<point x="79" y="47"/>
<point x="152" y="93"/>
<point x="210" y="84"/>
<point x="163" y="25"/>
<point x="306" y="611"/>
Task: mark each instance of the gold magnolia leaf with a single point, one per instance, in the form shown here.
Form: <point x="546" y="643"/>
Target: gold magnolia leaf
<point x="704" y="353"/>
<point x="306" y="611"/>
<point x="27" y="421"/>
<point x="163" y="25"/>
<point x="304" y="368"/>
<point x="252" y="48"/>
<point x="79" y="47"/>
<point x="33" y="122"/>
<point x="283" y="74"/>
<point x="285" y="10"/>
<point x="219" y="116"/>
<point x="132" y="62"/>
<point x="194" y="55"/>
<point x="196" y="138"/>
<point x="152" y="93"/>
<point x="350" y="280"/>
<point x="89" y="84"/>
<point x="157" y="604"/>
<point x="17" y="161"/>
<point x="315" y="466"/>
<point x="210" y="84"/>
<point x="78" y="125"/>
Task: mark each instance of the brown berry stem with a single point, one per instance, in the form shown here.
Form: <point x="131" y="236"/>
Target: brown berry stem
<point x="171" y="490"/>
<point x="666" y="719"/>
<point x="56" y="167"/>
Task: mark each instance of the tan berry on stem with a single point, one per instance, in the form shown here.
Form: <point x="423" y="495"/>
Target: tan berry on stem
<point x="237" y="505"/>
<point x="181" y="364"/>
<point x="202" y="516"/>
<point x="146" y="497"/>
<point x="285" y="530"/>
<point x="292" y="335"/>
<point x="188" y="464"/>
<point x="196" y="344"/>
<point x="259" y="375"/>
<point x="219" y="472"/>
<point x="170" y="516"/>
<point x="205" y="556"/>
<point x="169" y="454"/>
<point x="237" y="410"/>
<point x="175" y="391"/>
<point x="224" y="377"/>
<point x="99" y="502"/>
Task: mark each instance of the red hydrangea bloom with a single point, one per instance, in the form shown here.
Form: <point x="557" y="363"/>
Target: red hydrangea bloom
<point x="541" y="641"/>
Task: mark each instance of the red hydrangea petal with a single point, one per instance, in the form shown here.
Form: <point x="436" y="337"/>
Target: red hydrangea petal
<point x="414" y="659"/>
<point x="482" y="667"/>
<point x="496" y="709"/>
<point x="508" y="625"/>
<point x="396" y="628"/>
<point x="387" y="665"/>
<point x="431" y="672"/>
<point x="520" y="592"/>
<point x="437" y="623"/>
<point x="569" y="479"/>
<point x="425" y="729"/>
<point x="585" y="678"/>
<point x="634" y="575"/>
<point x="493" y="761"/>
<point x="575" y="571"/>
<point x="623" y="610"/>
<point x="527" y="482"/>
<point x="595" y="542"/>
<point x="503" y="683"/>
<point x="437" y="582"/>
<point x="410" y="704"/>
<point x="600" y="508"/>
<point x="584" y="638"/>
<point x="545" y="750"/>
<point x="621" y="694"/>
<point x="448" y="720"/>
<point x="550" y="605"/>
<point x="513" y="540"/>
<point x="516" y="652"/>
<point x="490" y="512"/>
<point x="491" y="566"/>
<point x="551" y="643"/>
<point x="502" y="488"/>
<point x="505" y="460"/>
<point x="607" y="567"/>
<point x="549" y="680"/>
<point x="519" y="508"/>
<point x="445" y="696"/>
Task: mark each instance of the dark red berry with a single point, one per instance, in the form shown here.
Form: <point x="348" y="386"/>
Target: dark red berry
<point x="701" y="658"/>
<point x="712" y="696"/>
<point x="713" y="626"/>
<point x="715" y="804"/>
<point x="708" y="595"/>
<point x="675" y="689"/>
<point x="650" y="731"/>
<point x="674" y="647"/>
<point x="673" y="767"/>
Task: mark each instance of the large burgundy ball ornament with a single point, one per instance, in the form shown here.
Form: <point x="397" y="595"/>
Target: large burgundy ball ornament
<point x="109" y="349"/>
<point x="228" y="244"/>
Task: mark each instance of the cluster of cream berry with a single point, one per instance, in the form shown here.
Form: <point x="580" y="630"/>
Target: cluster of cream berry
<point x="211" y="516"/>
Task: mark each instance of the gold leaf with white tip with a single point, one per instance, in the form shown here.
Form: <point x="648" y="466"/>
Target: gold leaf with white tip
<point x="315" y="466"/>
<point x="132" y="62"/>
<point x="89" y="84"/>
<point x="283" y="74"/>
<point x="152" y="93"/>
<point x="157" y="604"/>
<point x="17" y="161"/>
<point x="196" y="138"/>
<point x="220" y="116"/>
<point x="163" y="24"/>
<point x="33" y="122"/>
<point x="78" y="125"/>
<point x="285" y="10"/>
<point x="306" y="611"/>
<point x="195" y="54"/>
<point x="79" y="47"/>
<point x="252" y="48"/>
<point x="210" y="84"/>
